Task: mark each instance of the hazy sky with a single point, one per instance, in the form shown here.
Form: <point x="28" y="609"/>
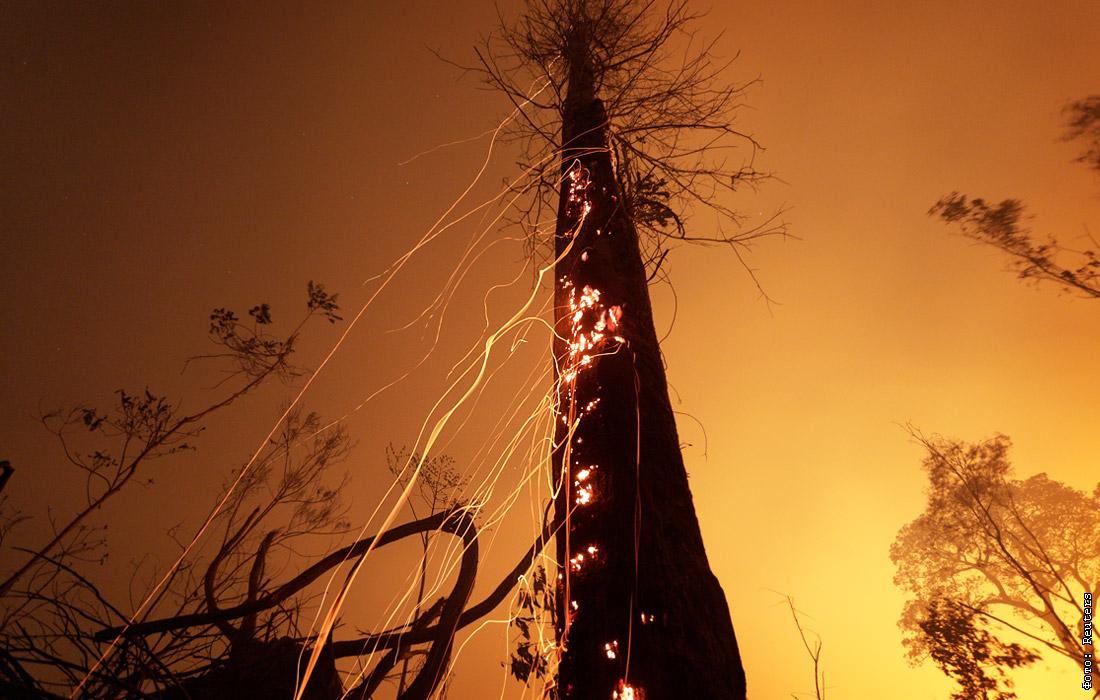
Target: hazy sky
<point x="161" y="160"/>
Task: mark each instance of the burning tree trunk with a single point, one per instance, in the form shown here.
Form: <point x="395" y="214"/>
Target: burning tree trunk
<point x="640" y="613"/>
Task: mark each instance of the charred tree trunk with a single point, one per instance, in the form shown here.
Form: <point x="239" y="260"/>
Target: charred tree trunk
<point x="640" y="613"/>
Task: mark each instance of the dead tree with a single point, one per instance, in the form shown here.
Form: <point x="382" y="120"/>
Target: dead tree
<point x="641" y="609"/>
<point x="674" y="136"/>
<point x="640" y="613"/>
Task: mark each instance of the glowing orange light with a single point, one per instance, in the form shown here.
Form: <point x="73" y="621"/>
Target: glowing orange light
<point x="584" y="496"/>
<point x="616" y="313"/>
<point x="594" y="325"/>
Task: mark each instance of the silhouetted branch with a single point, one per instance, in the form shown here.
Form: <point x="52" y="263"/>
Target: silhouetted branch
<point x="1001" y="226"/>
<point x="407" y="636"/>
<point x="814" y="652"/>
<point x="284" y="592"/>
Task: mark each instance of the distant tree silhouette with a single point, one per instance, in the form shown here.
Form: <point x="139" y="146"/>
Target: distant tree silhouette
<point x="992" y="552"/>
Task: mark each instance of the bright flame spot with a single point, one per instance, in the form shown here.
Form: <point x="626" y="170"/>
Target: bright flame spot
<point x="578" y="560"/>
<point x="627" y="692"/>
<point x="612" y="649"/>
<point x="616" y="313"/>
<point x="582" y="343"/>
<point x="584" y="495"/>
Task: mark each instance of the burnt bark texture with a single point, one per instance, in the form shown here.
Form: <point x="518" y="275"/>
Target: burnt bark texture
<point x="640" y="613"/>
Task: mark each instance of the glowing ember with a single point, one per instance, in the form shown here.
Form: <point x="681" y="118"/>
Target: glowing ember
<point x="578" y="183"/>
<point x="594" y="328"/>
<point x="576" y="562"/>
<point x="584" y="496"/>
<point x="626" y="692"/>
<point x="582" y="344"/>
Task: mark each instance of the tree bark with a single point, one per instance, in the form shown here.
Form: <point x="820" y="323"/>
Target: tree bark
<point x="640" y="615"/>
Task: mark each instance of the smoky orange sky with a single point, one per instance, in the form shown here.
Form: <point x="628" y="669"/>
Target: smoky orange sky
<point x="160" y="160"/>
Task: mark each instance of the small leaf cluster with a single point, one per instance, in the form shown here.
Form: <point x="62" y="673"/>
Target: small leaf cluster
<point x="536" y="609"/>
<point x="967" y="653"/>
<point x="322" y="302"/>
<point x="253" y="351"/>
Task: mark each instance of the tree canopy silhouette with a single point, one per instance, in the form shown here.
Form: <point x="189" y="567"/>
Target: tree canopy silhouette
<point x="994" y="553"/>
<point x="670" y="103"/>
